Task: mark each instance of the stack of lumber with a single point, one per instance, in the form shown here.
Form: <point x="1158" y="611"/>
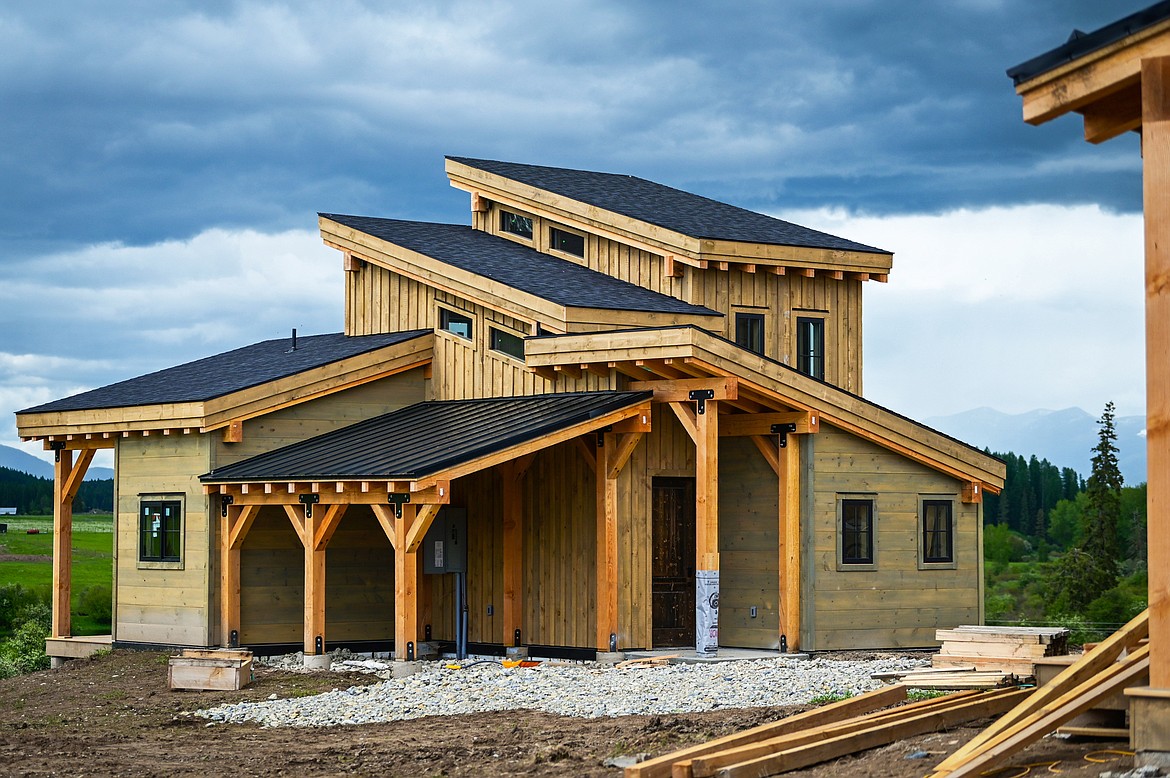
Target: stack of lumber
<point x="951" y="678"/>
<point x="1113" y="665"/>
<point x="1010" y="649"/>
<point x="825" y="733"/>
<point x="198" y="668"/>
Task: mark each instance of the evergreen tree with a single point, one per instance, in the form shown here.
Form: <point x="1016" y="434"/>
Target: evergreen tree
<point x="1104" y="499"/>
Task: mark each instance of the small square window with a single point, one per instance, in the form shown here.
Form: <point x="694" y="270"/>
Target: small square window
<point x="856" y="532"/>
<point x="810" y="346"/>
<point x="938" y="531"/>
<point x="455" y="323"/>
<point x="160" y="531"/>
<point x="515" y="224"/>
<point x="507" y="343"/>
<point x="749" y="331"/>
<point x="568" y="242"/>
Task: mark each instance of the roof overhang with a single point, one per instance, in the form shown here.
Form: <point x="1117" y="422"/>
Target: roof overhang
<point x="491" y="294"/>
<point x="687" y="249"/>
<point x="1103" y="85"/>
<point x="99" y="428"/>
<point x="682" y="353"/>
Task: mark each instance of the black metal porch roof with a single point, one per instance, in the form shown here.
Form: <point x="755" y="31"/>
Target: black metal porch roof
<point x="425" y="439"/>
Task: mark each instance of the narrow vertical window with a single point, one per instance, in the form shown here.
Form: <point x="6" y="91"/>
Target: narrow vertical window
<point x="160" y="531"/>
<point x="938" y="542"/>
<point x="857" y="532"/>
<point x="810" y="346"/>
<point x="749" y="331"/>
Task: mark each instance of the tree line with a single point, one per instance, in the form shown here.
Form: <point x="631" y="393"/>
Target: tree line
<point x="31" y="494"/>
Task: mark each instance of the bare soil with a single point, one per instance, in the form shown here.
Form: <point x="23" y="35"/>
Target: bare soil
<point x="114" y="715"/>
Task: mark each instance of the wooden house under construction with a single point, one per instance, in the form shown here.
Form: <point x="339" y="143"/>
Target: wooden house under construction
<point x="646" y="406"/>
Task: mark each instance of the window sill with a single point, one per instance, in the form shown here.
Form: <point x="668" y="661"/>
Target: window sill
<point x="160" y="565"/>
<point x="938" y="565"/>
<point x="846" y="567"/>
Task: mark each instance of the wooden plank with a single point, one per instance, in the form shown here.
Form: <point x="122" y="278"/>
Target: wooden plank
<point x="660" y="767"/>
<point x="885" y="731"/>
<point x="1155" y="75"/>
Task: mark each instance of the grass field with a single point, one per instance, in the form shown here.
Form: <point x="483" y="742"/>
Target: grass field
<point x="93" y="540"/>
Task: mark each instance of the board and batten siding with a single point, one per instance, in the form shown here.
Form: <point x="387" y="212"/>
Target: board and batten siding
<point x="164" y="602"/>
<point x="896" y="604"/>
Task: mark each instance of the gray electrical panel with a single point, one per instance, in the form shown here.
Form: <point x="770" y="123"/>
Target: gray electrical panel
<point x="444" y="549"/>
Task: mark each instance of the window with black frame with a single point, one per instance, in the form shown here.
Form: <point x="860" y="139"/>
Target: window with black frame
<point x="568" y="242"/>
<point x="455" y="323"/>
<point x="515" y="224"/>
<point x="857" y="532"/>
<point x="160" y="531"/>
<point x="810" y="346"/>
<point x="938" y="543"/>
<point x="749" y="331"/>
<point x="507" y="343"/>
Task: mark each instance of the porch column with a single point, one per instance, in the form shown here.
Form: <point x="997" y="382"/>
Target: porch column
<point x="606" y="558"/>
<point x="790" y="543"/>
<point x="234" y="528"/>
<point x="315" y="528"/>
<point x="405" y="585"/>
<point x="707" y="528"/>
<point x="67" y="479"/>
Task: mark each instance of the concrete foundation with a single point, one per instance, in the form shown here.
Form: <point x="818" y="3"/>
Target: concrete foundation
<point x="516" y="652"/>
<point x="610" y="657"/>
<point x="318" y="661"/>
<point x="403" y="669"/>
<point x="1149" y="726"/>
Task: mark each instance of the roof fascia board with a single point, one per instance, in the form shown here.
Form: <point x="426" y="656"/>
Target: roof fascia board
<point x="594" y="318"/>
<point x="835" y="406"/>
<point x="132" y="418"/>
<point x="616" y="226"/>
<point x="439" y="275"/>
<point x="1093" y="76"/>
<point x="796" y="256"/>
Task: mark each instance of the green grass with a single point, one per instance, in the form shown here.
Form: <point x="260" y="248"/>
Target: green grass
<point x="93" y="540"/>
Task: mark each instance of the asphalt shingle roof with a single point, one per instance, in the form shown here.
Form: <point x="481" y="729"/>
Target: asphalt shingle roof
<point x="426" y="438"/>
<point x="551" y="278"/>
<point x="674" y="209"/>
<point x="1079" y="43"/>
<point x="232" y="371"/>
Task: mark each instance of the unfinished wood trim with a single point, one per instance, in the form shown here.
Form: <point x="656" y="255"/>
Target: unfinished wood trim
<point x="60" y="626"/>
<point x="405" y="585"/>
<point x="607" y="531"/>
<point x="1156" y="197"/>
<point x="789" y="550"/>
<point x="660" y="767"/>
<point x="418" y="530"/>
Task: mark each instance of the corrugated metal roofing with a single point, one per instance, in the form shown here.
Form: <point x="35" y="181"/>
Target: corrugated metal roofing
<point x="551" y="278"/>
<point x="674" y="209"/>
<point x="425" y="438"/>
<point x="1079" y="43"/>
<point x="231" y="371"/>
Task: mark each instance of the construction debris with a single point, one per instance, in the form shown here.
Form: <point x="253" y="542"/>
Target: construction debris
<point x="1011" y="649"/>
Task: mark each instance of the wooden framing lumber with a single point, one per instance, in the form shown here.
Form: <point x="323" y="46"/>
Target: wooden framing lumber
<point x="233" y="531"/>
<point x="405" y="585"/>
<point x="679" y="390"/>
<point x="710" y="764"/>
<point x="885" y="731"/>
<point x="605" y="476"/>
<point x="737" y="424"/>
<point x="707" y="488"/>
<point x="660" y="767"/>
<point x="789" y="549"/>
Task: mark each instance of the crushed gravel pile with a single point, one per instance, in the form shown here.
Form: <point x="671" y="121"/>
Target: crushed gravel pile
<point x="586" y="690"/>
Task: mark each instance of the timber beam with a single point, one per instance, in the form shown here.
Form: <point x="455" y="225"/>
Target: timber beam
<point x="679" y="390"/>
<point x="741" y="424"/>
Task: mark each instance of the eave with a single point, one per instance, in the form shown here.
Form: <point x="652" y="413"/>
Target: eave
<point x="99" y="428"/>
<point x="685" y="352"/>
<point x="687" y="249"/>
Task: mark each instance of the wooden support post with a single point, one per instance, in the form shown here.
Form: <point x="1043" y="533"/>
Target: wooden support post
<point x="405" y="585"/>
<point x="707" y="528"/>
<point x="1156" y="197"/>
<point x="607" y="579"/>
<point x="513" y="546"/>
<point x="234" y="528"/>
<point x="62" y="544"/>
<point x="314" y="618"/>
<point x="790" y="543"/>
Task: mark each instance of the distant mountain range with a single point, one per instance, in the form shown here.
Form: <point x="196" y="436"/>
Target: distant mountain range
<point x="1065" y="438"/>
<point x="15" y="459"/>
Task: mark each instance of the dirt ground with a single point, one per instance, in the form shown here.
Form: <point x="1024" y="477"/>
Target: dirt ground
<point x="114" y="715"/>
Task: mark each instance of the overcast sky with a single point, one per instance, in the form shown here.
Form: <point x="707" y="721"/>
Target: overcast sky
<point x="162" y="163"/>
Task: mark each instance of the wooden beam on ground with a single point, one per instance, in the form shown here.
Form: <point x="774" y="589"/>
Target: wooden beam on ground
<point x="607" y="532"/>
<point x="405" y="585"/>
<point x="1155" y="75"/>
<point x="660" y="767"/>
<point x="233" y="530"/>
<point x="1129" y="672"/>
<point x="1091" y="665"/>
<point x="789" y="567"/>
<point x="740" y="424"/>
<point x="679" y="390"/>
<point x="886" y="730"/>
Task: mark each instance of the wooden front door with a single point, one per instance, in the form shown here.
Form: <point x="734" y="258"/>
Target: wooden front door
<point x="673" y="586"/>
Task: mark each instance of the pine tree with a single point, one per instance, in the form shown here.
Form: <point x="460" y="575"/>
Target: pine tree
<point x="1104" y="504"/>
